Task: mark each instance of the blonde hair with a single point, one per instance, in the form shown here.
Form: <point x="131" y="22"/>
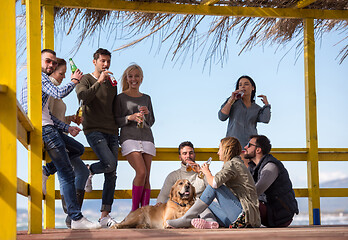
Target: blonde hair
<point x="124" y="82"/>
<point x="230" y="147"/>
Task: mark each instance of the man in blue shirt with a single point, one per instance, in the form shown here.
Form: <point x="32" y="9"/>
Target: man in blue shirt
<point x="54" y="138"/>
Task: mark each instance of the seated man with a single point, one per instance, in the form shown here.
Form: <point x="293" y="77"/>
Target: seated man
<point x="273" y="185"/>
<point x="187" y="156"/>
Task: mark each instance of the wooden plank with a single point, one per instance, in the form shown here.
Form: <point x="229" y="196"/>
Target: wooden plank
<point x="22" y="187"/>
<point x="289" y="233"/>
<point x="33" y="30"/>
<point x="24" y="126"/>
<point x="3" y="88"/>
<point x="48" y="42"/>
<point x="304" y="3"/>
<point x="311" y="123"/>
<point x="174" y="8"/>
<point x="8" y="123"/>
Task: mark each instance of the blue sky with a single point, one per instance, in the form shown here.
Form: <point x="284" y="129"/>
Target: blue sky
<point x="186" y="98"/>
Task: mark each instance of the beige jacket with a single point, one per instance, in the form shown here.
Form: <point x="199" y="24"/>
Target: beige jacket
<point x="235" y="175"/>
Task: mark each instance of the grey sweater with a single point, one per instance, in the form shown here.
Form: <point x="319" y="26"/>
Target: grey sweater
<point x="125" y="106"/>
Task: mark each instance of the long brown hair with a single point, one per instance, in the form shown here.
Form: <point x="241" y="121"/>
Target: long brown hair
<point x="230" y="147"/>
<point x="124" y="82"/>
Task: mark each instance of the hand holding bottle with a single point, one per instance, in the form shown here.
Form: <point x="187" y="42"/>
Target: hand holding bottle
<point x="237" y="94"/>
<point x="141" y="117"/>
<point x="204" y="168"/>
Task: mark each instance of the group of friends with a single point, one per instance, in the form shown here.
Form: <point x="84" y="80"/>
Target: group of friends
<point x="251" y="189"/>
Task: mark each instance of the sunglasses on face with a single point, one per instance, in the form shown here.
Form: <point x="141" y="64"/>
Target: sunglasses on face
<point x="250" y="144"/>
<point x="48" y="61"/>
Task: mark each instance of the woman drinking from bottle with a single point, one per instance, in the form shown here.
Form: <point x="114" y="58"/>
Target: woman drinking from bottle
<point x="242" y="111"/>
<point x="234" y="188"/>
<point x="134" y="115"/>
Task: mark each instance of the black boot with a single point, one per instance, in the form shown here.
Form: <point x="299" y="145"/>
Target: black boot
<point x="80" y="195"/>
<point x="67" y="219"/>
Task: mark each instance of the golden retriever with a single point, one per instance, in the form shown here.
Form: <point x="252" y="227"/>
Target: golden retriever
<point x="182" y="197"/>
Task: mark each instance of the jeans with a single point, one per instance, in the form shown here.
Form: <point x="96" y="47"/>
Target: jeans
<point x="56" y="149"/>
<point x="74" y="150"/>
<point x="228" y="207"/>
<point x="105" y="146"/>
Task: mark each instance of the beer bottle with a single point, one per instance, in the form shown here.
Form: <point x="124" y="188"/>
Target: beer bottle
<point x="201" y="174"/>
<point x="72" y="65"/>
<point x="79" y="110"/>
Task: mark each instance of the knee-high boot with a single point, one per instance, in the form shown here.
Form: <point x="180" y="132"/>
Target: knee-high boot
<point x="137" y="192"/>
<point x="145" y="199"/>
<point x="80" y="195"/>
<point x="193" y="212"/>
<point x="67" y="219"/>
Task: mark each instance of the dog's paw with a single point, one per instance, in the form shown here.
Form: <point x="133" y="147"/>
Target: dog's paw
<point x="115" y="226"/>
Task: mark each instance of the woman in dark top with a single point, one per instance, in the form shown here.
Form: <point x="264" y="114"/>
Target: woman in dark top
<point x="134" y="115"/>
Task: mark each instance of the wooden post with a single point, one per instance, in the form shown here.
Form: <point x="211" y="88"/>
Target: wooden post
<point x="311" y="124"/>
<point x="33" y="22"/>
<point x="48" y="42"/>
<point x="8" y="121"/>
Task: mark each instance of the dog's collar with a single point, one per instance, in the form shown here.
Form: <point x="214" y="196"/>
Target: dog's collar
<point x="181" y="205"/>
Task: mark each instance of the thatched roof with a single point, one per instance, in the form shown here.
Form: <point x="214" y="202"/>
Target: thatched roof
<point x="186" y="35"/>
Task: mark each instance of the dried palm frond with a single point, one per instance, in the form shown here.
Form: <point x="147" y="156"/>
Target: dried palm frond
<point x="188" y="33"/>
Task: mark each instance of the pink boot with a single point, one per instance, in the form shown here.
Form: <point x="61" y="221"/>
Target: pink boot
<point x="137" y="192"/>
<point x="145" y="199"/>
<point x="203" y="224"/>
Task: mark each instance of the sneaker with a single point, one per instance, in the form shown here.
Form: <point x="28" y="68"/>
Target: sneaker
<point x="44" y="181"/>
<point x="203" y="224"/>
<point x="88" y="186"/>
<point x="84" y="223"/>
<point x="107" y="222"/>
<point x="240" y="222"/>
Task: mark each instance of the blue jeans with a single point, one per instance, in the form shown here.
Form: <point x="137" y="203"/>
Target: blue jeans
<point x="74" y="150"/>
<point x="228" y="207"/>
<point x="105" y="146"/>
<point x="56" y="149"/>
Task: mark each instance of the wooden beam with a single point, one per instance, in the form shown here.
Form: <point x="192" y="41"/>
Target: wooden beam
<point x="209" y="2"/>
<point x="48" y="42"/>
<point x="3" y="88"/>
<point x="33" y="25"/>
<point x="311" y="123"/>
<point x="8" y="121"/>
<point x="304" y="3"/>
<point x="22" y="187"/>
<point x="173" y="8"/>
<point x="127" y="193"/>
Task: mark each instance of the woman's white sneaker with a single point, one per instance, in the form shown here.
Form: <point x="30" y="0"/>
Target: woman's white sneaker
<point x="84" y="223"/>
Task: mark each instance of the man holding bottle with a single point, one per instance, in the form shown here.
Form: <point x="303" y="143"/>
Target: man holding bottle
<point x="186" y="171"/>
<point x="98" y="93"/>
<point x="54" y="139"/>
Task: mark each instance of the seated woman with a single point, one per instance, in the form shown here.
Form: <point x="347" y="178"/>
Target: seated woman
<point x="237" y="203"/>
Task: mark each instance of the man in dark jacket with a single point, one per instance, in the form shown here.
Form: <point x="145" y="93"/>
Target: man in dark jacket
<point x="273" y="185"/>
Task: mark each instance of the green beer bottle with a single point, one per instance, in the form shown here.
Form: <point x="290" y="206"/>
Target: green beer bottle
<point x="72" y="65"/>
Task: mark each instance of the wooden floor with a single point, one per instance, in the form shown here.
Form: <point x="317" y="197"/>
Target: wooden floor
<point x="296" y="232"/>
